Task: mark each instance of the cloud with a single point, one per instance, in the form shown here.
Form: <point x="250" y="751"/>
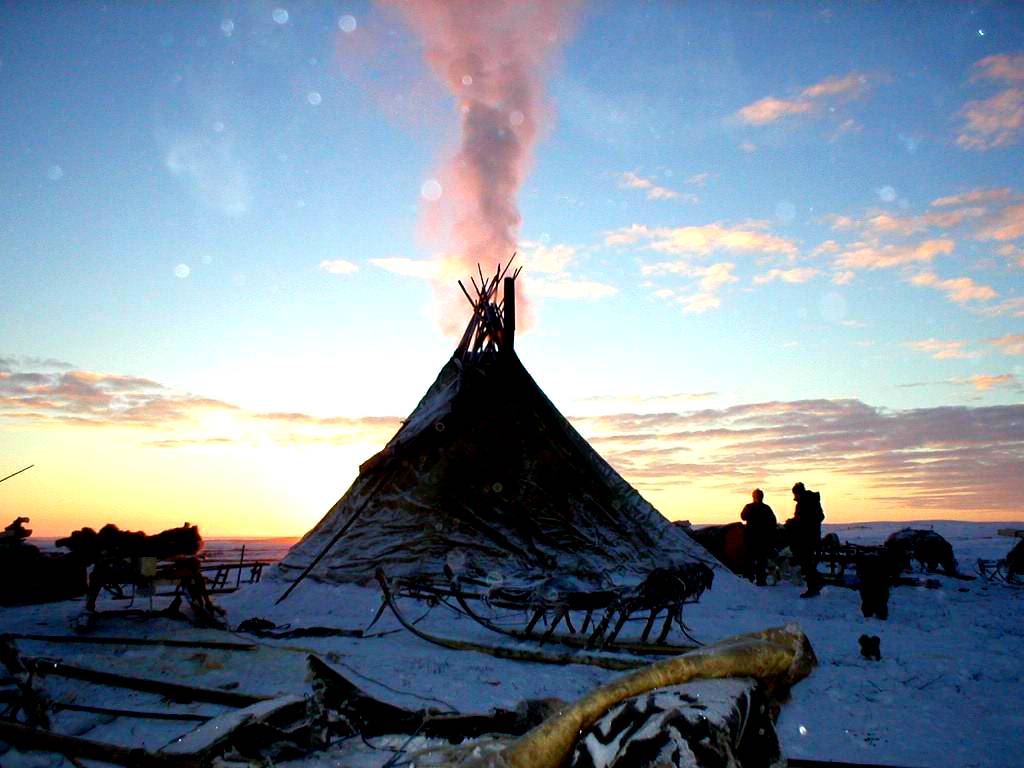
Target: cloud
<point x="701" y="240"/>
<point x="845" y="128"/>
<point x="770" y="109"/>
<point x="566" y="287"/>
<point x="1007" y="224"/>
<point x="811" y="100"/>
<point x="338" y="267"/>
<point x="1012" y="252"/>
<point x="1010" y="344"/>
<point x="1007" y="307"/>
<point x="960" y="289"/>
<point x="873" y="256"/>
<point x="959" y="459"/>
<point x="548" y="259"/>
<point x="796" y="275"/>
<point x="1006" y="67"/>
<point x="630" y="180"/>
<point x="994" y="122"/>
<point x="748" y="146"/>
<point x="853" y="84"/>
<point x="988" y="195"/>
<point x="944" y="350"/>
<point x="984" y="382"/>
<point x="88" y="398"/>
<point x="878" y="224"/>
<point x="419" y="268"/>
<point x="699" y="303"/>
<point x="843" y="278"/>
<point x="77" y="399"/>
<point x="698" y="179"/>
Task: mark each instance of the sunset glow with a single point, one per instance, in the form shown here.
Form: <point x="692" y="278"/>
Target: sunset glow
<point x="760" y="244"/>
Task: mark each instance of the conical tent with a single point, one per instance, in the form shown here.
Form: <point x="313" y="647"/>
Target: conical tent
<point x="486" y="475"/>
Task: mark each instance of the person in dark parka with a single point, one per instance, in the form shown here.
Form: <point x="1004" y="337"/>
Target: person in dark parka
<point x="760" y="533"/>
<point x="804" y="530"/>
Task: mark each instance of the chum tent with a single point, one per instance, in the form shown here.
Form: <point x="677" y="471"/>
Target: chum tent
<point x="488" y="477"/>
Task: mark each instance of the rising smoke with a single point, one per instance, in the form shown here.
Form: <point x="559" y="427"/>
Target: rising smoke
<point x="492" y="56"/>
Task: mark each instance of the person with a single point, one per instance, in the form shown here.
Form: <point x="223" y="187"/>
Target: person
<point x="804" y="530"/>
<point x="760" y="531"/>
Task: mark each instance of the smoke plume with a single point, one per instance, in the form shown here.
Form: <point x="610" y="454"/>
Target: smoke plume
<point x="492" y="56"/>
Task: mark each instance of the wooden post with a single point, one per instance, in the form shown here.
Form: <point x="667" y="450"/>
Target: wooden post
<point x="509" y="336"/>
<point x="241" y="562"/>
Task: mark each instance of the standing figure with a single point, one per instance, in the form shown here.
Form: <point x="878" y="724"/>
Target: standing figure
<point x="760" y="533"/>
<point x="804" y="530"/>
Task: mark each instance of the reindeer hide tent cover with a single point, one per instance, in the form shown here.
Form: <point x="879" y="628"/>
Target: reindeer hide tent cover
<point x="487" y="476"/>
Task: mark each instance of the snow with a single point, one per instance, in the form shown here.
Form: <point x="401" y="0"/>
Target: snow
<point x="946" y="692"/>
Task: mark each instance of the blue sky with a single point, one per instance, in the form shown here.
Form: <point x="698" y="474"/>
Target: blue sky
<point x="725" y="206"/>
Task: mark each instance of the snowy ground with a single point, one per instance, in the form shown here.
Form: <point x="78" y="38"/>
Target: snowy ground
<point x="946" y="692"/>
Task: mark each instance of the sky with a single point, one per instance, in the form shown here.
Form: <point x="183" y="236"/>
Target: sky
<point x="761" y="243"/>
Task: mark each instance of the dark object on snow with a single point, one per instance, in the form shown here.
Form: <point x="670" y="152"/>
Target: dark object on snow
<point x="928" y="548"/>
<point x="717" y="722"/>
<point x="871" y="647"/>
<point x="876" y="574"/>
<point x="728" y="543"/>
<point x="1015" y="561"/>
<point x="339" y="708"/>
<point x="29" y="576"/>
<point x="15" y="532"/>
<point x="136" y="559"/>
<point x="830" y="542"/>
<point x="112" y="541"/>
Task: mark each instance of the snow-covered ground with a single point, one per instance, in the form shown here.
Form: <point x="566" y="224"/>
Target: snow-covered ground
<point x="947" y="691"/>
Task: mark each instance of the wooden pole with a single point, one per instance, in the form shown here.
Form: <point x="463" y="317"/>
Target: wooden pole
<point x="17" y="473"/>
<point x="24" y="737"/>
<point x="241" y="562"/>
<point x="509" y="336"/>
<point x="219" y="645"/>
<point x="171" y="690"/>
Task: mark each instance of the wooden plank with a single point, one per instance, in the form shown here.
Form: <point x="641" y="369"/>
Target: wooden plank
<point x="214" y="732"/>
<point x="176" y="691"/>
<point x="90" y="640"/>
<point x="24" y="737"/>
<point x="1016" y="533"/>
<point x="136" y="713"/>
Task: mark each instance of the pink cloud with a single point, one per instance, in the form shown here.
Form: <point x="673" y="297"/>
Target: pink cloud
<point x="769" y="109"/>
<point x="1010" y="344"/>
<point x="944" y="350"/>
<point x="994" y="122"/>
<point x="703" y="240"/>
<point x="811" y="100"/>
<point x="983" y="382"/>
<point x="959" y="289"/>
<point x="1008" y="224"/>
<point x="866" y="256"/>
<point x="1008" y="67"/>
<point x="998" y="194"/>
<point x="630" y="180"/>
<point x="796" y="275"/>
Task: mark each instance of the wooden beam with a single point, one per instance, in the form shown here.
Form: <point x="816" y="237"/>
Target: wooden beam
<point x="176" y="691"/>
<point x="24" y="737"/>
<point x="509" y="330"/>
<point x="209" y="644"/>
<point x="136" y="713"/>
<point x="213" y="733"/>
